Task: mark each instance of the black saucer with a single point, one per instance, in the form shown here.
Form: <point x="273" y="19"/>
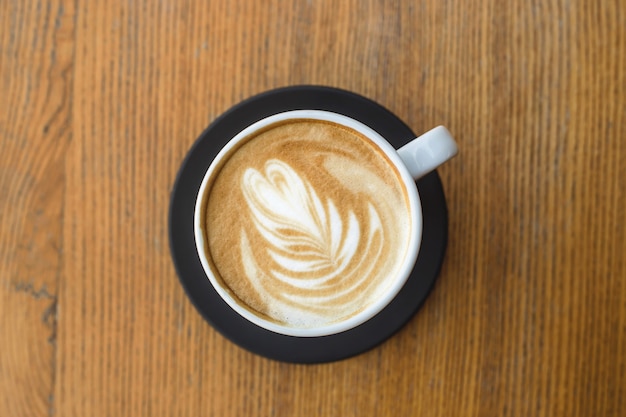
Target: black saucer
<point x="218" y="313"/>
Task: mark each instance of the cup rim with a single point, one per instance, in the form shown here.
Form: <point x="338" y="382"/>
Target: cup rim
<point x="412" y="249"/>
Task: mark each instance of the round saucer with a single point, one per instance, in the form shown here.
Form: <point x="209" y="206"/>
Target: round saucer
<point x="227" y="321"/>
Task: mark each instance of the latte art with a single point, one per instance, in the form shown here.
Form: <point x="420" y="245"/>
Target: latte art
<point x="313" y="249"/>
<point x="306" y="223"/>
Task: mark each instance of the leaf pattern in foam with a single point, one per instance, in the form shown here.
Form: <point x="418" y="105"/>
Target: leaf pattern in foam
<point x="306" y="238"/>
<point x="290" y="216"/>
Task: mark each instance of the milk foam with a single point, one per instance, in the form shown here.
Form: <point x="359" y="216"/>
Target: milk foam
<point x="311" y="245"/>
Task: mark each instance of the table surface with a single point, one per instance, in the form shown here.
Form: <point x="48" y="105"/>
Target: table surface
<point x="100" y="101"/>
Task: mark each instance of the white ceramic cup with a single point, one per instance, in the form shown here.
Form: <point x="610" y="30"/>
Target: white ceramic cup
<point x="414" y="160"/>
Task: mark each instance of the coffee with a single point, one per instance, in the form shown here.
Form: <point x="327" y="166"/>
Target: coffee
<point x="306" y="222"/>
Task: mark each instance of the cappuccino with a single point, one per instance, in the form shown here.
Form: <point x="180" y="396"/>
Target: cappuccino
<point x="305" y="222"/>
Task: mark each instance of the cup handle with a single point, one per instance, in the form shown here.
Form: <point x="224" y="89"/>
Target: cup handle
<point x="425" y="153"/>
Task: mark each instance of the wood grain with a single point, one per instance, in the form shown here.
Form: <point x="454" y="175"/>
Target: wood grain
<point x="100" y="101"/>
<point x="36" y="60"/>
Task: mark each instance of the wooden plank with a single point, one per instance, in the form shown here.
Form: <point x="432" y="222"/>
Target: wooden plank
<point x="36" y="67"/>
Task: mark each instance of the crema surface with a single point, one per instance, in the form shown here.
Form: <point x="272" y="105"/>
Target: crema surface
<point x="305" y="222"/>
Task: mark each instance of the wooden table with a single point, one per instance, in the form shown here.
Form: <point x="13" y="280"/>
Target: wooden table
<point x="100" y="101"/>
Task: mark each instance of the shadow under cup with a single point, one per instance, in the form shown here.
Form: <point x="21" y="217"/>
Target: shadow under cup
<point x="299" y="212"/>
